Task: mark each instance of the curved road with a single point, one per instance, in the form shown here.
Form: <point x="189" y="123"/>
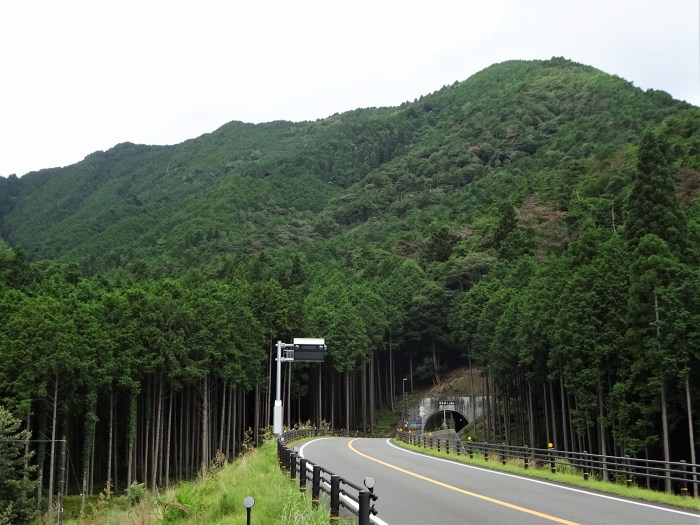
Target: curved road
<point x="416" y="489"/>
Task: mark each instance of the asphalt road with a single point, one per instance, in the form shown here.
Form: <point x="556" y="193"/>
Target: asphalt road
<point x="414" y="489"/>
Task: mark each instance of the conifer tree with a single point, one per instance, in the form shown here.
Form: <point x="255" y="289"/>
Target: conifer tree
<point x="652" y="206"/>
<point x="16" y="477"/>
<point x="656" y="231"/>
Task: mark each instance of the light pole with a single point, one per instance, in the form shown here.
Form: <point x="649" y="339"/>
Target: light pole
<point x="277" y="411"/>
<point x="405" y="405"/>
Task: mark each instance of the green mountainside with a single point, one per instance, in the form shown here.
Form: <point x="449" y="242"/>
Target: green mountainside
<point x="537" y="224"/>
<point x="514" y="130"/>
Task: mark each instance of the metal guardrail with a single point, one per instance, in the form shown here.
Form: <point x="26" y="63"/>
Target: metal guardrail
<point x="632" y="470"/>
<point x="342" y="492"/>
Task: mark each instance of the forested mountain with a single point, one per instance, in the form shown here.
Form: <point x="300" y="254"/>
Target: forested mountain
<point x="539" y="221"/>
<point x="512" y="130"/>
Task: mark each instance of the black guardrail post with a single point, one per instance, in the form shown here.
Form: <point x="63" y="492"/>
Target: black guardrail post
<point x="335" y="497"/>
<point x="471" y="449"/>
<point x="586" y="465"/>
<point x="504" y="454"/>
<point x="363" y="514"/>
<point x="486" y="451"/>
<point x="293" y="466"/>
<point x="302" y="474"/>
<point x="447" y="446"/>
<point x="316" y="486"/>
<point x="628" y="471"/>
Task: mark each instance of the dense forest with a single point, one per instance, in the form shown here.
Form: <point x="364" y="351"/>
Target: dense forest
<point x="538" y="222"/>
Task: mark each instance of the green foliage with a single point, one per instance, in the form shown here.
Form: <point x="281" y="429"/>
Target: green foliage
<point x="513" y="128"/>
<point x="16" y="484"/>
<point x="524" y="219"/>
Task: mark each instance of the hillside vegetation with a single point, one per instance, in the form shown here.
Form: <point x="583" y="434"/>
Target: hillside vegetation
<point x="512" y="131"/>
<point x="539" y="221"/>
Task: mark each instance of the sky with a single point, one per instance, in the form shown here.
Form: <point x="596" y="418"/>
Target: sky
<point x="78" y="76"/>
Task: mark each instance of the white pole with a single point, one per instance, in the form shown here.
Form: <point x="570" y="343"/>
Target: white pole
<point x="277" y="412"/>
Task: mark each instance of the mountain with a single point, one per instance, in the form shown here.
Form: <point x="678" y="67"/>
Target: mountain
<point x="537" y="223"/>
<point x="527" y="131"/>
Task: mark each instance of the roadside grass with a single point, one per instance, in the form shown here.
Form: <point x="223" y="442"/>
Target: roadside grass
<point x="565" y="474"/>
<point x="216" y="499"/>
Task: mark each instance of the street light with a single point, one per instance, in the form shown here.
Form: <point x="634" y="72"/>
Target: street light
<point x="405" y="405"/>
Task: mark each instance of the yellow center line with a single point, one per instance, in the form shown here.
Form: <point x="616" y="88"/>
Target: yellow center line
<point x="457" y="489"/>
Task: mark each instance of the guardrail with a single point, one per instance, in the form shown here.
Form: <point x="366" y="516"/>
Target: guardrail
<point x="342" y="492"/>
<point x="613" y="468"/>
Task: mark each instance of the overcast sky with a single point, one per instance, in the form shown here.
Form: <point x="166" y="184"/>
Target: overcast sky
<point x="79" y="76"/>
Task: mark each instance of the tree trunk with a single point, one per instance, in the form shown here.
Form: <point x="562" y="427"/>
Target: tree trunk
<point x="270" y="387"/>
<point x="363" y="397"/>
<point x="235" y="418"/>
<point x="546" y="413"/>
<point x="41" y="459"/>
<point x="531" y="421"/>
<point x="222" y="423"/>
<point x="347" y="401"/>
<point x="664" y="408"/>
<point x="664" y="426"/>
<point x="378" y="372"/>
<point x="371" y="395"/>
<point x="471" y="390"/>
<point x="487" y="406"/>
<point x="435" y="363"/>
<point x="564" y="418"/>
<point x="333" y="400"/>
<point x="231" y="411"/>
<point x="167" y="439"/>
<point x="205" y="425"/>
<point x="554" y="416"/>
<point x="256" y="428"/>
<point x="603" y="433"/>
<point x="145" y="443"/>
<point x="156" y="432"/>
<point x="289" y="395"/>
<point x="52" y="459"/>
<point x="88" y="442"/>
<point x="392" y="379"/>
<point x="110" y="438"/>
<point x="691" y="435"/>
<point x="26" y="444"/>
<point x="131" y="438"/>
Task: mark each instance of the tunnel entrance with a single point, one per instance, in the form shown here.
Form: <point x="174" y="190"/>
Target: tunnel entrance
<point x="445" y="419"/>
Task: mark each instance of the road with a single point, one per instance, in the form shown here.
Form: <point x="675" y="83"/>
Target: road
<point x="415" y="489"/>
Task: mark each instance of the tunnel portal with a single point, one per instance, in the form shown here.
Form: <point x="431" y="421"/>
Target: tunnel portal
<point x="445" y="419"/>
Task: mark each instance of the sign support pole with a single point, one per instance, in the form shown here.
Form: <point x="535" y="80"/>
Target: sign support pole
<point x="277" y="412"/>
<point x="304" y="350"/>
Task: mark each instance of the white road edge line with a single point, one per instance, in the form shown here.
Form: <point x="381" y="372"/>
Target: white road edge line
<point x="372" y="519"/>
<point x="524" y="478"/>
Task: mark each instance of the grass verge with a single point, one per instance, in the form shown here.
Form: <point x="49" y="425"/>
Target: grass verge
<point x="217" y="499"/>
<point x="566" y="476"/>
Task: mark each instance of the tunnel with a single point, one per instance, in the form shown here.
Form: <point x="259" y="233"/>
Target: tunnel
<point x="445" y="419"/>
